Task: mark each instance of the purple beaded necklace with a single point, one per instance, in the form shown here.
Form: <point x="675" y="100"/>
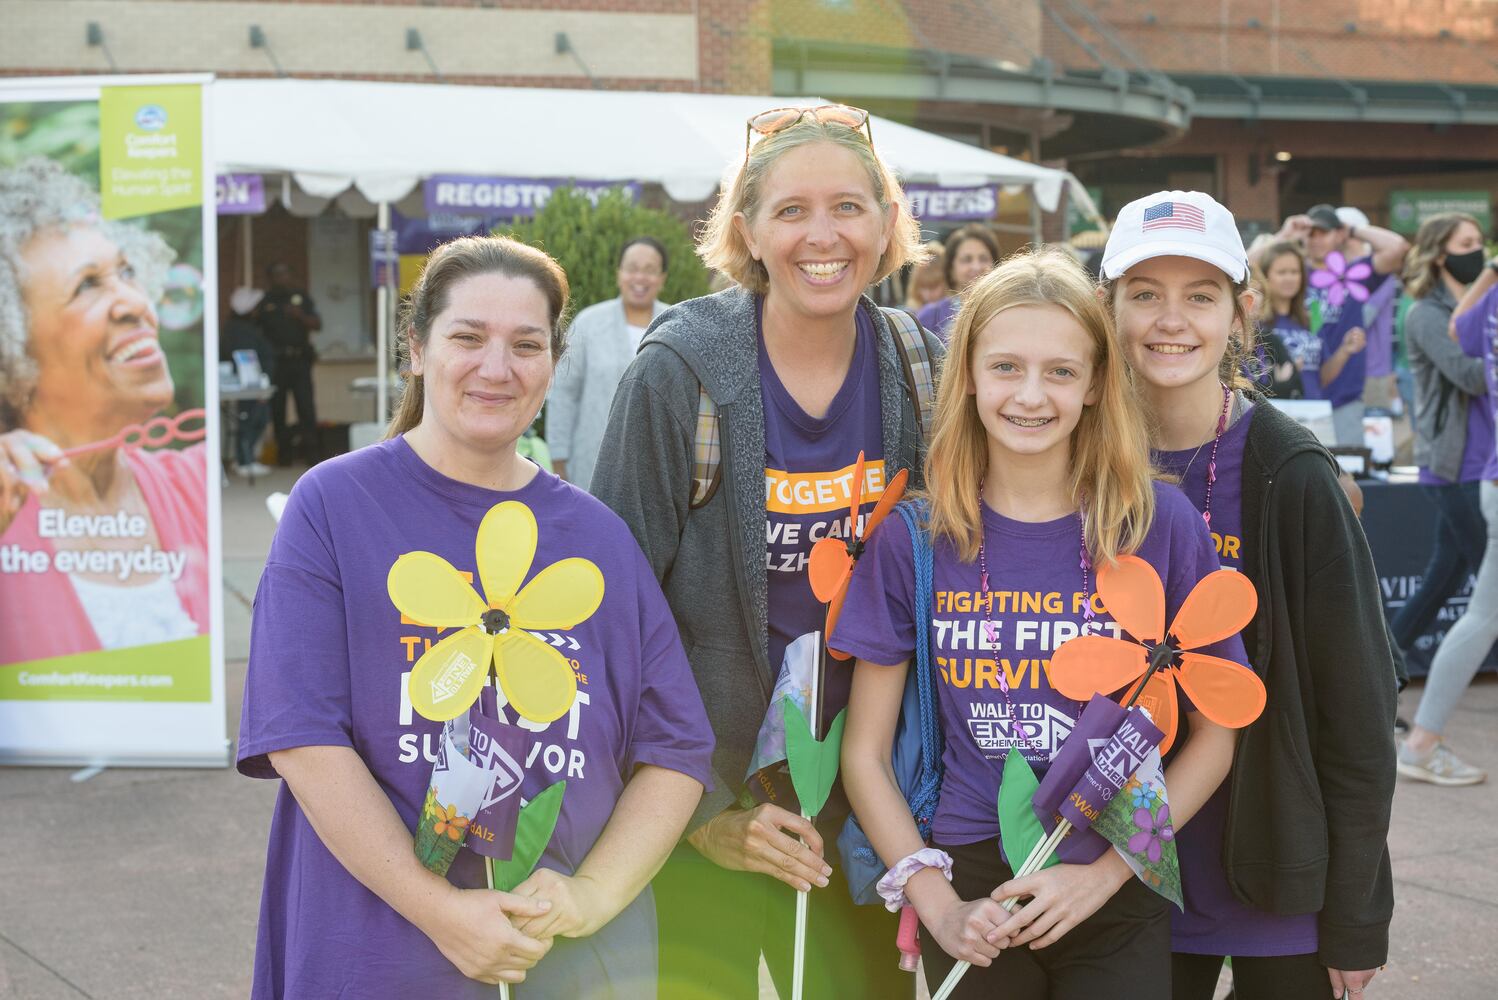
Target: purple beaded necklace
<point x="1222" y="425"/>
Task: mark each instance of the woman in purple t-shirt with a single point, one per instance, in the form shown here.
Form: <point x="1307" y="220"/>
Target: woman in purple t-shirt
<point x="1038" y="471"/>
<point x="348" y="909"/>
<point x="1286" y="869"/>
<point x="971" y="252"/>
<point x="1283" y="267"/>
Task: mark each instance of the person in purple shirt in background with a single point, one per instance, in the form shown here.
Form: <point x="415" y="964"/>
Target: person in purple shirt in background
<point x="1336" y="311"/>
<point x="348" y="910"/>
<point x="1038" y="471"/>
<point x="1453" y="444"/>
<point x="971" y="252"/>
<point x="1288" y="876"/>
<point x="1282" y="271"/>
<point x="1378" y="314"/>
<point x="1422" y="755"/>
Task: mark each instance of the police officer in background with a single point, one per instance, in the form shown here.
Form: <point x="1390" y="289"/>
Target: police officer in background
<point x="289" y="318"/>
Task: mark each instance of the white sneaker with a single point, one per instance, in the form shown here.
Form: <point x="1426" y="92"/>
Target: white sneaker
<point x="244" y="471"/>
<point x="257" y="469"/>
<point x="1439" y="767"/>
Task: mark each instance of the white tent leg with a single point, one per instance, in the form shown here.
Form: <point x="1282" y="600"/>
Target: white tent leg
<point x="382" y="333"/>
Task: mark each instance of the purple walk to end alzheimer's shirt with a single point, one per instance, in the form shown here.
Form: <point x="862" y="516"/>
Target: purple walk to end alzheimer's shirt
<point x="1037" y="604"/>
<point x="329" y="658"/>
<point x="1215" y="922"/>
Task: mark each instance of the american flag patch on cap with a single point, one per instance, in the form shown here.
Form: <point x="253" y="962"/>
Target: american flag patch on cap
<point x="1174" y="215"/>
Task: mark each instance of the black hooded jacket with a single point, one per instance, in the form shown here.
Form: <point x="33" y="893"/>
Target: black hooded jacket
<point x="1313" y="778"/>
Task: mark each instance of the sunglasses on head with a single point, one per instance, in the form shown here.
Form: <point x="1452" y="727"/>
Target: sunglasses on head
<point x="780" y="119"/>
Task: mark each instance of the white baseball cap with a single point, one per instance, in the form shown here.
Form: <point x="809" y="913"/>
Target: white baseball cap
<point x="1175" y="224"/>
<point x="1350" y="216"/>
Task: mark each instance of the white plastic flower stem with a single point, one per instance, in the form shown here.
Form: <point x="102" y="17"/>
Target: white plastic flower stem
<point x="1032" y="864"/>
<point x="803" y="899"/>
<point x="504" y="988"/>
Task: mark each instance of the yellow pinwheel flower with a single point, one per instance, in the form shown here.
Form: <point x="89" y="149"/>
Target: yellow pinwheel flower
<point x="537" y="680"/>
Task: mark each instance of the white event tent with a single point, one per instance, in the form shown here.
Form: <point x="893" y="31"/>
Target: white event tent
<point x="383" y="139"/>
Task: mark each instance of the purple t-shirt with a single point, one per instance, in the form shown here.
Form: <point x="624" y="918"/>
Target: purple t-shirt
<point x="1336" y="320"/>
<point x="1214" y="921"/>
<point x="1036" y="583"/>
<point x="938" y="316"/>
<point x="809" y="465"/>
<point x="1305" y="347"/>
<point x="1475" y="334"/>
<point x="329" y="659"/>
<point x="1380" y="348"/>
<point x="1480" y="325"/>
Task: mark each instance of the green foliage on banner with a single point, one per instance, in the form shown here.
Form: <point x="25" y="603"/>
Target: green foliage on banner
<point x="1019" y="829"/>
<point x="65" y="131"/>
<point x="532" y="833"/>
<point x="813" y="762"/>
<point x="586" y="241"/>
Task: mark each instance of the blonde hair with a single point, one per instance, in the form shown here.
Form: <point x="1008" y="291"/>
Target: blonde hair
<point x="931" y="272"/>
<point x="722" y="247"/>
<point x="1422" y="274"/>
<point x="1110" y="459"/>
<point x="449" y="264"/>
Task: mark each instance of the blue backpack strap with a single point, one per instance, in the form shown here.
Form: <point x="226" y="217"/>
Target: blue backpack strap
<point x="924" y="794"/>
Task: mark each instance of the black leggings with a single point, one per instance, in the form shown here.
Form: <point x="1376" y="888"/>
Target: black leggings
<point x="1121" y="952"/>
<point x="1282" y="977"/>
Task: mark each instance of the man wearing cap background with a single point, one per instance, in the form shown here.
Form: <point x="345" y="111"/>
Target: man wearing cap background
<point x="1378" y="314"/>
<point x="1342" y="327"/>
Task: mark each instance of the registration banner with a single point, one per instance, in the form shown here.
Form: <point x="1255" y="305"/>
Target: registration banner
<point x="111" y="636"/>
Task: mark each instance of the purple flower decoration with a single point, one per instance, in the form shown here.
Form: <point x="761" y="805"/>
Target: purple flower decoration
<point x="1154" y="833"/>
<point x="1341" y="280"/>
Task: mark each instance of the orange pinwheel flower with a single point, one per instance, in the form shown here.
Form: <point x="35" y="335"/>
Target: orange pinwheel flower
<point x="832" y="559"/>
<point x="450" y="823"/>
<point x="1219" y="606"/>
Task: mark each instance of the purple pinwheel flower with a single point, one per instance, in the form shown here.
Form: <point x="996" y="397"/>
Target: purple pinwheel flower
<point x="1341" y="280"/>
<point x="1154" y="833"/>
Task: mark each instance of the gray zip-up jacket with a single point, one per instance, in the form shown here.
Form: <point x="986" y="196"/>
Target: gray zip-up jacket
<point x="1445" y="379"/>
<point x="711" y="561"/>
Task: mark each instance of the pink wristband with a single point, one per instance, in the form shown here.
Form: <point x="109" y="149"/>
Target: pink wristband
<point x="891" y="887"/>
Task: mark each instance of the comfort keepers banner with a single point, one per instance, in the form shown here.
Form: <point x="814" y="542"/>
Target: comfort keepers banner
<point x="110" y="564"/>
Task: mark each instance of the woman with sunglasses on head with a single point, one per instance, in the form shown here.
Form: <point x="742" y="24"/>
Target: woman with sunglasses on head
<point x="767" y="393"/>
<point x="971" y="252"/>
<point x="1285" y="869"/>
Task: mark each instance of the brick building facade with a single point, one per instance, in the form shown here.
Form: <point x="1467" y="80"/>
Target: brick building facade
<point x="1272" y="105"/>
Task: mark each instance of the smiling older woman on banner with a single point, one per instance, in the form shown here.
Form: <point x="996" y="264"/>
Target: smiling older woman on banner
<point x="123" y="529"/>
<point x="773" y="387"/>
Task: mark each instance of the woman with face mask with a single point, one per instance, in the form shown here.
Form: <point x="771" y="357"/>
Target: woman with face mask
<point x="1454" y="447"/>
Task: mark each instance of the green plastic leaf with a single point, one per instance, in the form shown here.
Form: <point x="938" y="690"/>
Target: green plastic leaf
<point x="532" y="833"/>
<point x="1019" y="830"/>
<point x="813" y="762"/>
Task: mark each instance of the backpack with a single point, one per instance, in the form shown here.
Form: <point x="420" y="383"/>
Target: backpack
<point x="917" y="751"/>
<point x="920" y="383"/>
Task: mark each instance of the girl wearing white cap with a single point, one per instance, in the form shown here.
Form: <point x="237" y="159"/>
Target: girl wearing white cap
<point x="1286" y="868"/>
